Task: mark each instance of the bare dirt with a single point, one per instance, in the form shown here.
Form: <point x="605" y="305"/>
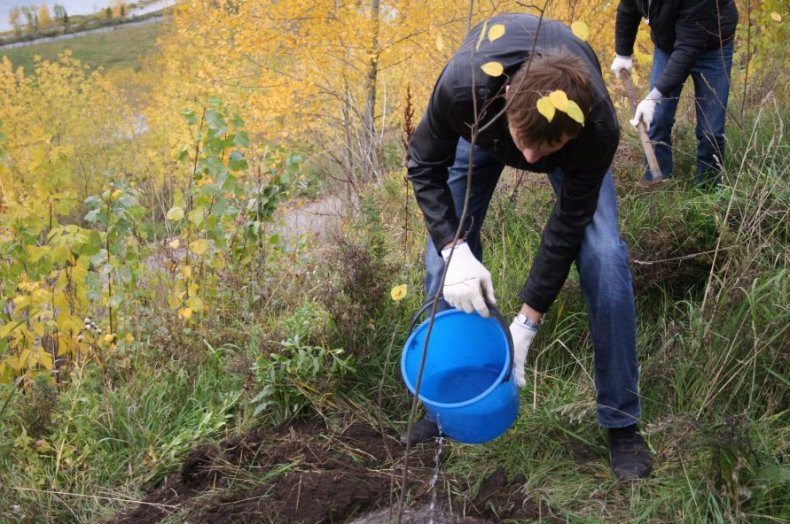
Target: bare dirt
<point x="305" y="472"/>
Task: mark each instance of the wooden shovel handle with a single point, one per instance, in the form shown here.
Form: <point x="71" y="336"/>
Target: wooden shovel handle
<point x="650" y="154"/>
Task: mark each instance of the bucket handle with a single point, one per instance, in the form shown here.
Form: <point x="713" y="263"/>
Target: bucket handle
<point x="494" y="313"/>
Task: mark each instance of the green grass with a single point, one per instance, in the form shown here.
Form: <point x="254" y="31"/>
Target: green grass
<point x="121" y="46"/>
<point x="129" y="433"/>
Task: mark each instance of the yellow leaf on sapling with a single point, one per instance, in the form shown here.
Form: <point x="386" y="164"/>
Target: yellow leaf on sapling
<point x="580" y="29"/>
<point x="173" y="302"/>
<point x="24" y="358"/>
<point x="185" y="313"/>
<point x="43" y="359"/>
<point x="21" y="300"/>
<point x="559" y="99"/>
<point x="13" y="363"/>
<point x="175" y="214"/>
<point x="575" y="112"/>
<point x="398" y="292"/>
<point x="196" y="304"/>
<point x="6" y="329"/>
<point x="496" y="31"/>
<point x="199" y="246"/>
<point x="776" y="16"/>
<point x="492" y="69"/>
<point x="546" y="108"/>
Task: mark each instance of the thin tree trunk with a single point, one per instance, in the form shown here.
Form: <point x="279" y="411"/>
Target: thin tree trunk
<point x="369" y="126"/>
<point x="748" y="57"/>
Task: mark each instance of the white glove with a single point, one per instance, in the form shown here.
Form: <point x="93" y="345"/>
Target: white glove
<point x="522" y="336"/>
<point x="468" y="283"/>
<point x="647" y="108"/>
<point x="621" y="62"/>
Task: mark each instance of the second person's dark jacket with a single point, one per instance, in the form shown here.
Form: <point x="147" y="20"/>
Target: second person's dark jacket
<point x="683" y="28"/>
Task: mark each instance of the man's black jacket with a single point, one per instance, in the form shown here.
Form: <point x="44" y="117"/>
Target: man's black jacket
<point x="683" y="28"/>
<point x="451" y="114"/>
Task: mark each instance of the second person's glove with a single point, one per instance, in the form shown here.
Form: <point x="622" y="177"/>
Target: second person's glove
<point x="621" y="62"/>
<point x="647" y="108"/>
<point x="468" y="283"/>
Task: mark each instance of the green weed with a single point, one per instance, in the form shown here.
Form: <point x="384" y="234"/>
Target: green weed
<point x="102" y="440"/>
<point x="298" y="377"/>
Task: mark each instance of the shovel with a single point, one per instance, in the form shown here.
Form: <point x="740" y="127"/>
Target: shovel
<point x="652" y="161"/>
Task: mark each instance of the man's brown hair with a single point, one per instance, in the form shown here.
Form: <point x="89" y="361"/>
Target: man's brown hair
<point x="556" y="70"/>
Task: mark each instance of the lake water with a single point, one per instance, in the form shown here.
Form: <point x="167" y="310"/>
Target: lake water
<point x="74" y="7"/>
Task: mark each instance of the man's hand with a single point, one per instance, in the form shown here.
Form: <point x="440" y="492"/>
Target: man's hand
<point x="647" y="108"/>
<point x="621" y="62"/>
<point x="522" y="335"/>
<point x="468" y="283"/>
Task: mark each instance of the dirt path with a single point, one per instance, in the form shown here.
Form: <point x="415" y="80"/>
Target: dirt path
<point x="318" y="217"/>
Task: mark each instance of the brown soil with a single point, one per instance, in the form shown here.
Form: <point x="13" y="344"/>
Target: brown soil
<point x="305" y="473"/>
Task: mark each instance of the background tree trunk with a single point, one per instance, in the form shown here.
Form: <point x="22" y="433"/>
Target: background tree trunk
<point x="370" y="142"/>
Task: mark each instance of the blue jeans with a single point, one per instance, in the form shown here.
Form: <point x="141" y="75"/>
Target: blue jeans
<point x="711" y="76"/>
<point x="604" y="274"/>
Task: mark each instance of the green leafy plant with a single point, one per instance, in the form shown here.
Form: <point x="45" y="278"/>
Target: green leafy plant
<point x="296" y="378"/>
<point x="221" y="215"/>
<point x="311" y="322"/>
<point x="115" y="214"/>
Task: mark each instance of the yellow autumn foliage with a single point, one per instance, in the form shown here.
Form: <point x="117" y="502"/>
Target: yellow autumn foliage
<point x="64" y="129"/>
<point x="330" y="74"/>
<point x="308" y="71"/>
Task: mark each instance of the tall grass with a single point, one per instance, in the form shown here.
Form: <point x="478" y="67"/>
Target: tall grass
<point x="101" y="446"/>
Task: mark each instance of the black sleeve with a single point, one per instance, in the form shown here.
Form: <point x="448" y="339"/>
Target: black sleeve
<point x="588" y="163"/>
<point x="562" y="236"/>
<point x="626" y="27"/>
<point x="695" y="23"/>
<point x="431" y="153"/>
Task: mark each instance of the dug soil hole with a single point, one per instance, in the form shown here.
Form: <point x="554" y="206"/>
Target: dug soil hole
<point x="305" y="472"/>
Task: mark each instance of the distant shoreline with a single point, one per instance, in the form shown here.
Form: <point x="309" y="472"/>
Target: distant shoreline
<point x="147" y="19"/>
<point x="137" y="12"/>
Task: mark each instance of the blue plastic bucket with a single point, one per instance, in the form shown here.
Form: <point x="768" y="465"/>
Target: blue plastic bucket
<point x="466" y="384"/>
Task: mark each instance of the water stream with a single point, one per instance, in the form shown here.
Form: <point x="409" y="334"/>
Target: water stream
<point x="422" y="514"/>
<point x="437" y="461"/>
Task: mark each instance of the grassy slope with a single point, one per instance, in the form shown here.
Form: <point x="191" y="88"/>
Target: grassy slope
<point x="122" y="46"/>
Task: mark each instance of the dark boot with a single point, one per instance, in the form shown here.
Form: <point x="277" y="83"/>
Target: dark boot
<point x="423" y="430"/>
<point x="631" y="458"/>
